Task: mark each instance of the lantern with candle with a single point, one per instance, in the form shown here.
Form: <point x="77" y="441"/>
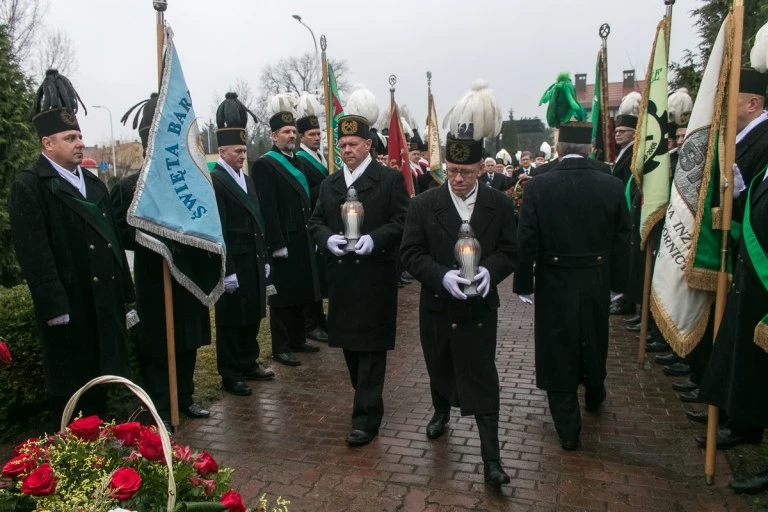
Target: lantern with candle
<point x="467" y="252"/>
<point x="352" y="215"/>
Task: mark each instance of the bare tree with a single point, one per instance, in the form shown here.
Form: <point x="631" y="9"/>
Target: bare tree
<point x="56" y="51"/>
<point x="23" y="20"/>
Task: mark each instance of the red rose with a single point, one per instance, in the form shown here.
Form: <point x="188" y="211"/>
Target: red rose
<point x="86" y="428"/>
<point x="150" y="445"/>
<point x="28" y="446"/>
<point x="207" y="485"/>
<point x="40" y="482"/>
<point x="205" y="465"/>
<point x="5" y="354"/>
<point x="124" y="484"/>
<point x="127" y="433"/>
<point x="183" y="453"/>
<point x="233" y="501"/>
<point x="18" y="465"/>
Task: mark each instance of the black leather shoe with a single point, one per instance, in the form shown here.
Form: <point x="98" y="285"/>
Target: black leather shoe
<point x="592" y="402"/>
<point x="667" y="359"/>
<point x="677" y="370"/>
<point x="403" y="281"/>
<point x="359" y="437"/>
<point x="196" y="410"/>
<point x="685" y="385"/>
<point x="260" y="373"/>
<point x="436" y="426"/>
<point x="656" y="346"/>
<point x="237" y="387"/>
<point x="633" y="327"/>
<point x="751" y="485"/>
<point x="701" y="416"/>
<point x="317" y="334"/>
<point x="570" y="444"/>
<point x="306" y="347"/>
<point x="691" y="397"/>
<point x="494" y="474"/>
<point x="287" y="358"/>
<point x="621" y="309"/>
<point x="726" y="438"/>
<point x="406" y="275"/>
<point x="633" y="320"/>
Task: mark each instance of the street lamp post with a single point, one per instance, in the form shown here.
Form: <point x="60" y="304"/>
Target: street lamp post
<point x="112" y="134"/>
<point x="317" y="54"/>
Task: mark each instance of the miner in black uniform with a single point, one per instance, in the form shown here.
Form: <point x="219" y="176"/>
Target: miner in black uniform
<point x="458" y="333"/>
<point x="70" y="254"/>
<point x="192" y="324"/>
<point x="362" y="283"/>
<point x="284" y="189"/>
<point x="240" y="310"/>
<point x="574" y="226"/>
<point x="315" y="323"/>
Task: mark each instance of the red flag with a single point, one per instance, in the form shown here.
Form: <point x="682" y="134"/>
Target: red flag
<point x="397" y="149"/>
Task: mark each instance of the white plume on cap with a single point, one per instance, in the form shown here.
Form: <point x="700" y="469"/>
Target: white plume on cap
<point x="518" y="155"/>
<point x="630" y="104"/>
<point x="384" y="118"/>
<point x="680" y="103"/>
<point x="406" y="127"/>
<point x="362" y="103"/>
<point x="283" y="102"/>
<point x="505" y="156"/>
<point x="546" y="149"/>
<point x="759" y="54"/>
<point x="405" y="113"/>
<point x="475" y="115"/>
<point x="308" y="105"/>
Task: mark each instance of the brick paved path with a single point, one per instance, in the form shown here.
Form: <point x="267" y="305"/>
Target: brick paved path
<point x="288" y="438"/>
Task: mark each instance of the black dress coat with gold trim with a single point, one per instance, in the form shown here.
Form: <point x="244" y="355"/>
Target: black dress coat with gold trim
<point x="287" y="208"/>
<point x="574" y="227"/>
<point x="72" y="259"/>
<point x="246" y="252"/>
<point x="362" y="290"/>
<point x="459" y="336"/>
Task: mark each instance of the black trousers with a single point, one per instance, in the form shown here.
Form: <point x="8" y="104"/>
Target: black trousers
<point x="314" y="317"/>
<point x="564" y="407"/>
<point x="236" y="351"/>
<point x="487" y="427"/>
<point x="154" y="371"/>
<point x="287" y="324"/>
<point x="367" y="371"/>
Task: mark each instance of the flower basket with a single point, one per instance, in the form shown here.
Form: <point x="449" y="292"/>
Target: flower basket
<point x="93" y="466"/>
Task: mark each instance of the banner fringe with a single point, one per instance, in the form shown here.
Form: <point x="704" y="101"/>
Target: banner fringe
<point x="682" y="344"/>
<point x="761" y="336"/>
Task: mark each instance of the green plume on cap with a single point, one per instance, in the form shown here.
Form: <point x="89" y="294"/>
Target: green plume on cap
<point x="563" y="104"/>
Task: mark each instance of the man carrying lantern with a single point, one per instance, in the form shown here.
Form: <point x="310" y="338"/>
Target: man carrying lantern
<point x="459" y="242"/>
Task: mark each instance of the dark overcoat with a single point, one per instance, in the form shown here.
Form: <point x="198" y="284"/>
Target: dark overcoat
<point x="314" y="178"/>
<point x="286" y="208"/>
<point x="362" y="290"/>
<point x="737" y="373"/>
<point x="191" y="320"/>
<point x="622" y="169"/>
<point x="752" y="158"/>
<point x="459" y="336"/>
<point x="242" y="224"/>
<point x="498" y="182"/>
<point x="574" y="227"/>
<point x="72" y="259"/>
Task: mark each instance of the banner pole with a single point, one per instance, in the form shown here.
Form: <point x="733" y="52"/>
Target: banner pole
<point x="726" y="182"/>
<point x="170" y="335"/>
<point x="668" y="33"/>
<point x="328" y="108"/>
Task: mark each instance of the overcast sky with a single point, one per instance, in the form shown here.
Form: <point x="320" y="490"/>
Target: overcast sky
<point x="519" y="46"/>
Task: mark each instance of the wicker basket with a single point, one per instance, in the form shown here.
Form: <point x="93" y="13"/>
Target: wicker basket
<point x="164" y="437"/>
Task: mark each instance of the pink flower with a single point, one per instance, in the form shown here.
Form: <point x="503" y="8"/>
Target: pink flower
<point x="233" y="501"/>
<point x="5" y="354"/>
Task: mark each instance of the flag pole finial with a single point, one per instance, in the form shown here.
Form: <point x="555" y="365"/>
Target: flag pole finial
<point x="429" y="79"/>
<point x="323" y="42"/>
<point x="392" y="82"/>
<point x="160" y="5"/>
<point x="605" y="31"/>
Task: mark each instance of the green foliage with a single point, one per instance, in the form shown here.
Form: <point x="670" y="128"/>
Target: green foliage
<point x="18" y="148"/>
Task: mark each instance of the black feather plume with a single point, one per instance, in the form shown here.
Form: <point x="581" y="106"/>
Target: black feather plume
<point x="232" y="113"/>
<point x="56" y="91"/>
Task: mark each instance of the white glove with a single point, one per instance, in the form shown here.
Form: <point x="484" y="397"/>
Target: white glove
<point x="484" y="278"/>
<point x="528" y="299"/>
<point x="230" y="283"/>
<point x="267" y="270"/>
<point x="616" y="296"/>
<point x="335" y="244"/>
<point x="364" y="245"/>
<point x="280" y="253"/>
<point x="451" y="282"/>
<point x="738" y="182"/>
<point x="59" y="320"/>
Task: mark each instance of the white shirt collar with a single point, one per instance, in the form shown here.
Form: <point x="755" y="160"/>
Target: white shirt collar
<point x="751" y="126"/>
<point x="571" y="156"/>
<point x="76" y="180"/>
<point x="239" y="177"/>
<point x="350" y="176"/>
<point x="624" y="149"/>
<point x="464" y="207"/>
<point x="316" y="154"/>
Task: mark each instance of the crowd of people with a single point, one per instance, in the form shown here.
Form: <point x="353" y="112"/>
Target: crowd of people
<point x="286" y="252"/>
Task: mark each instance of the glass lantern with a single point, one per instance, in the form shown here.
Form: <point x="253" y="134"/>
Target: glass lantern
<point x="352" y="215"/>
<point x="467" y="253"/>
